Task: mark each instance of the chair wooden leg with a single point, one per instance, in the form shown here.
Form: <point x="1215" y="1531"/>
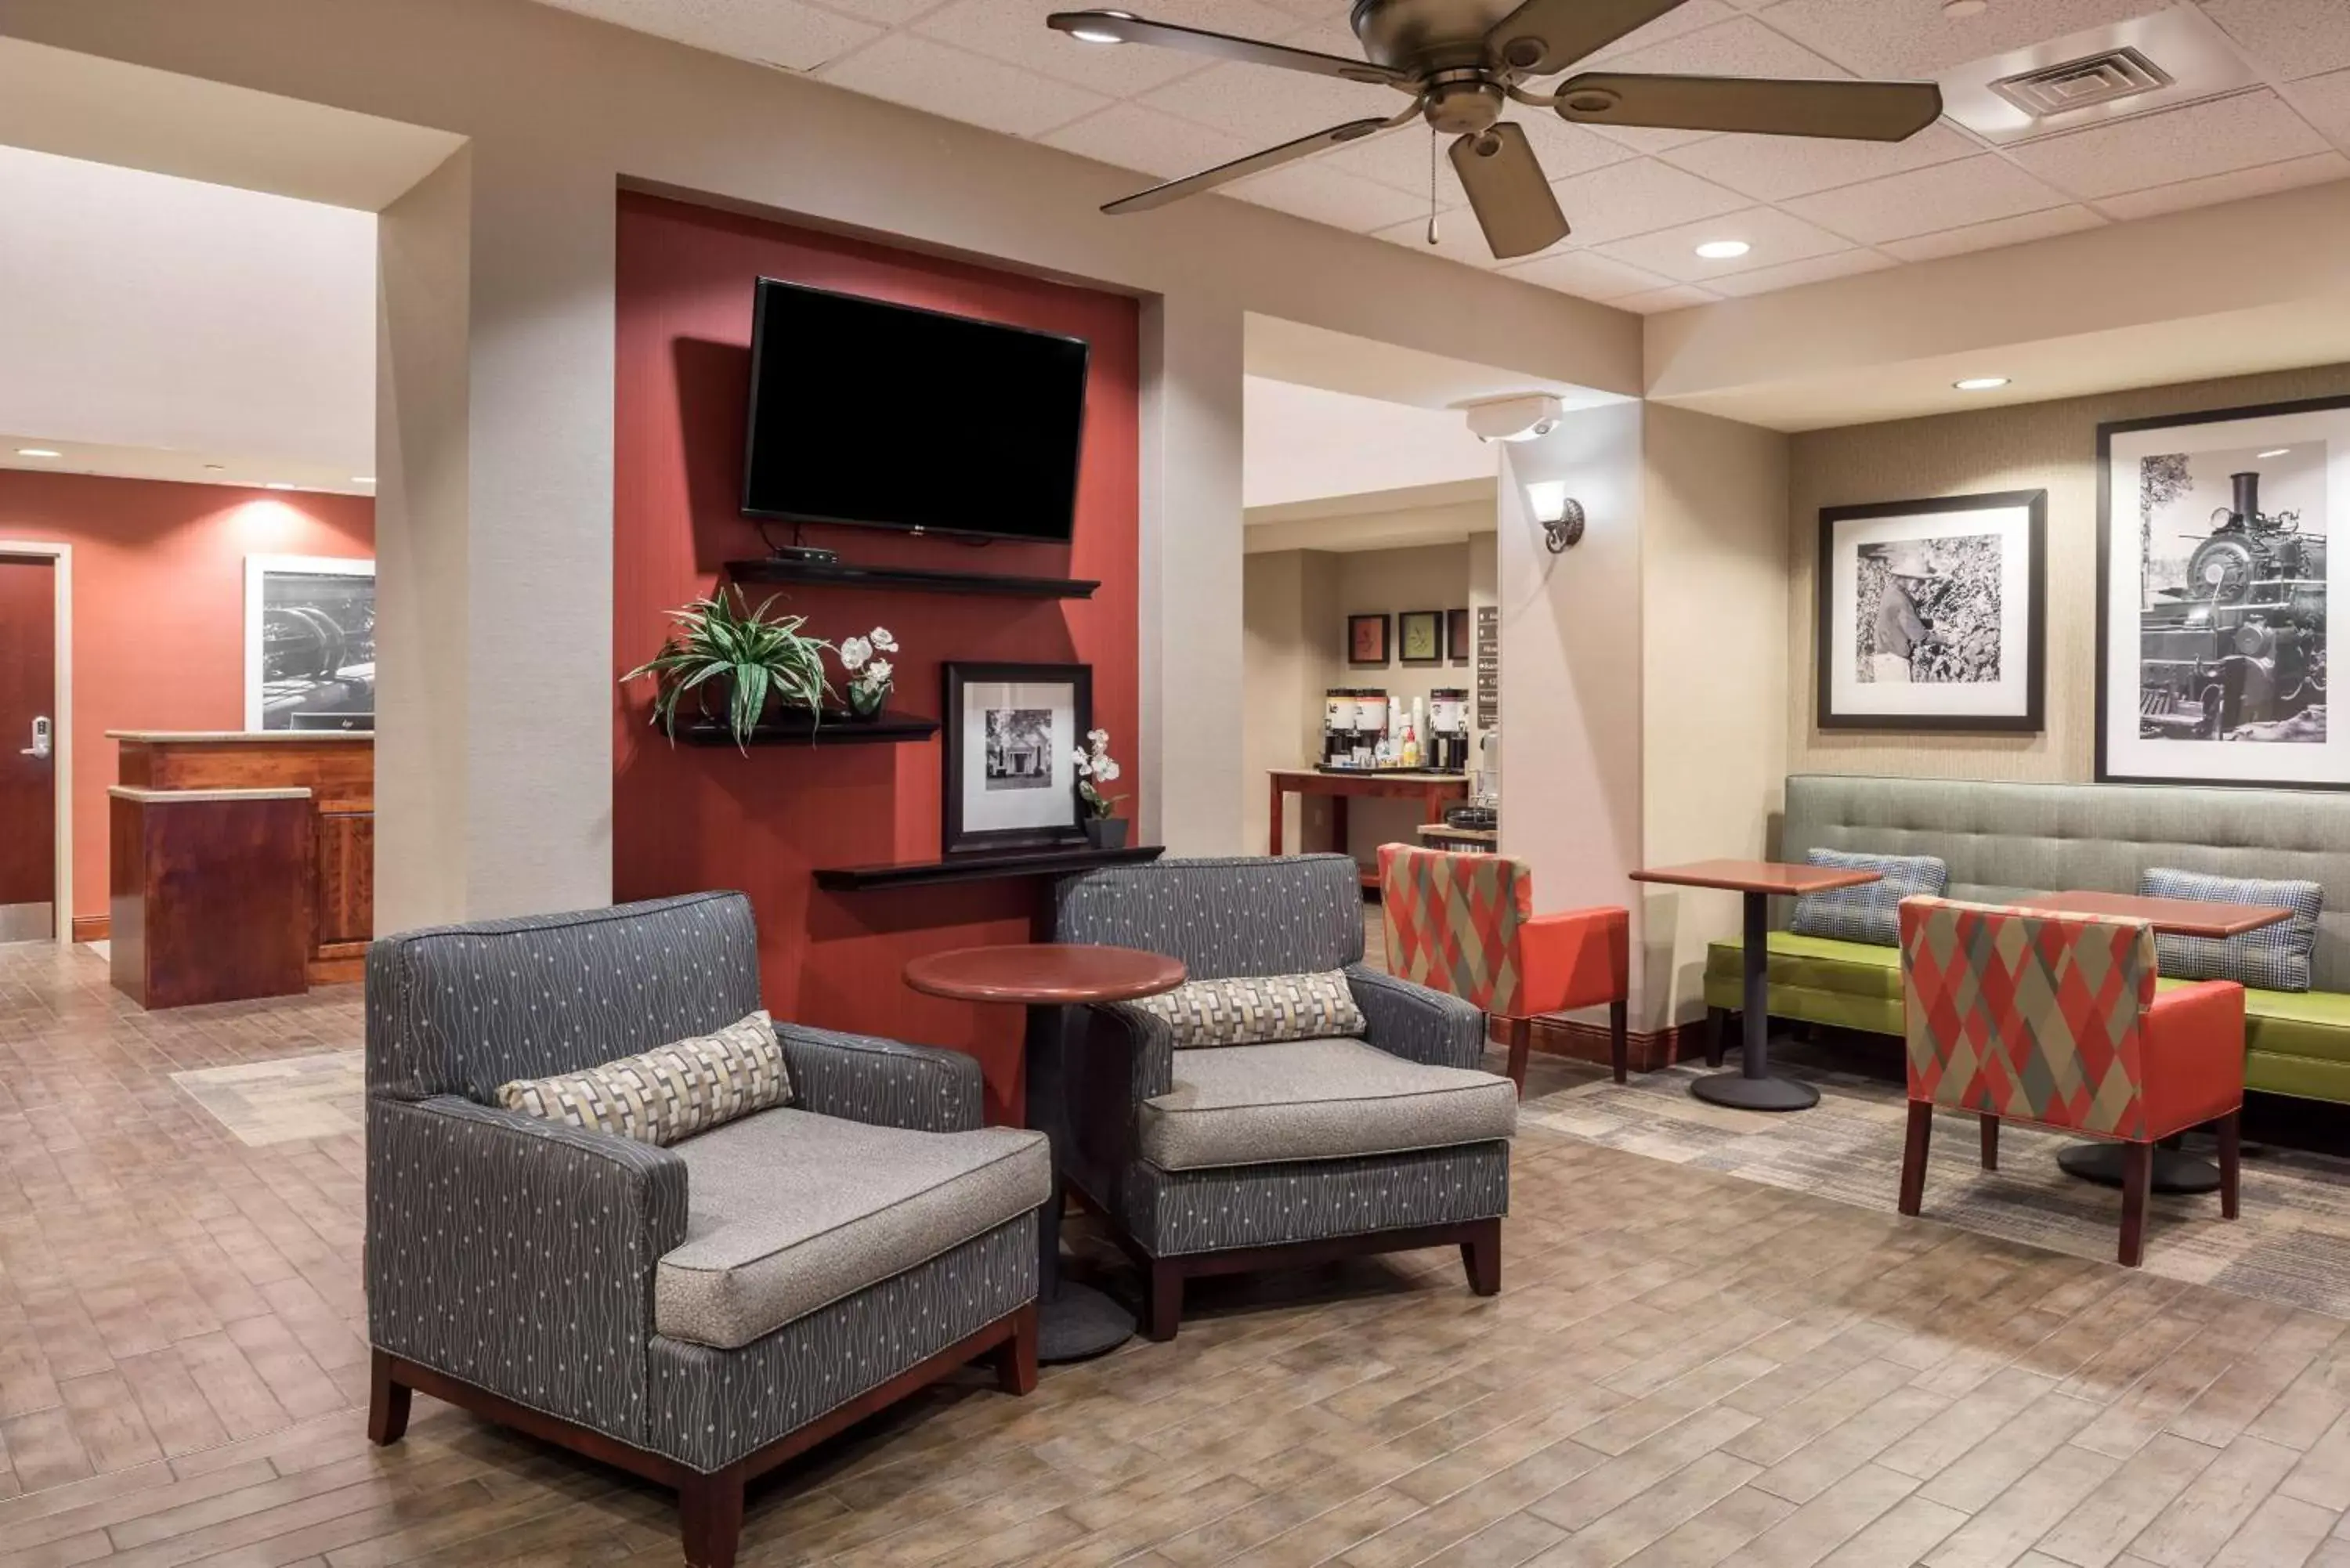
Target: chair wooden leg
<point x="1520" y="1032"/>
<point x="1015" y="1358"/>
<point x="1482" y="1256"/>
<point x="1913" y="1156"/>
<point x="2231" y="1160"/>
<point x="1619" y="1040"/>
<point x="710" y="1509"/>
<point x="1989" y="1142"/>
<point x="1163" y="1312"/>
<point x="387" y="1403"/>
<point x="1717" y="1025"/>
<point x="2138" y="1176"/>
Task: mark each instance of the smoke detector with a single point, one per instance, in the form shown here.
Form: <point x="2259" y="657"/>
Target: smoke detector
<point x="1514" y="419"/>
<point x="2160" y="61"/>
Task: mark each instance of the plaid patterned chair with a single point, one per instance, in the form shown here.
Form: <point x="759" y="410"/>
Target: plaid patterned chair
<point x="2020" y="1015"/>
<point x="1465" y="924"/>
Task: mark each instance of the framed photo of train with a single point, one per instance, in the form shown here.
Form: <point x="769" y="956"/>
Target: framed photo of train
<point x="2213" y="605"/>
<point x="1929" y="613"/>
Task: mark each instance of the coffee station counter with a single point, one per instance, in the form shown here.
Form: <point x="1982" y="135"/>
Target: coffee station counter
<point x="1433" y="790"/>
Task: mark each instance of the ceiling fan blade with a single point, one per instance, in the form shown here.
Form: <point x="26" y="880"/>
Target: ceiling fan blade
<point x="1116" y="27"/>
<point x="1508" y="192"/>
<point x="1256" y="164"/>
<point x="1545" y="36"/>
<point x="1855" y="112"/>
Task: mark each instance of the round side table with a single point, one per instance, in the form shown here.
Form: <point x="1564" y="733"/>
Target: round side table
<point x="1054" y="981"/>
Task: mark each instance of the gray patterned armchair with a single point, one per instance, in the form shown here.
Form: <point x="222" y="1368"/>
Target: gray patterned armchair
<point x="1236" y="1158"/>
<point x="696" y="1313"/>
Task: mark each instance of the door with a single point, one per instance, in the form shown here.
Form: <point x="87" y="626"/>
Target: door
<point x="28" y="795"/>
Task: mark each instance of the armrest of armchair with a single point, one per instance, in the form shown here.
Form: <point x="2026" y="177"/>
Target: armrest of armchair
<point x="882" y="1083"/>
<point x="518" y="1253"/>
<point x="1416" y="1024"/>
<point x="2193" y="1055"/>
<point x="1575" y="958"/>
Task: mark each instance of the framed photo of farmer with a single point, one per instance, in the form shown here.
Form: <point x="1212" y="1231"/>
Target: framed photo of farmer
<point x="1930" y="614"/>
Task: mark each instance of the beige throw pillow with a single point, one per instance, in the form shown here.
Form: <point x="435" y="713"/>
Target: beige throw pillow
<point x="667" y="1093"/>
<point x="1258" y="1009"/>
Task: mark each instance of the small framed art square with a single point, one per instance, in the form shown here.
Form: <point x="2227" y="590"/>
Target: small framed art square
<point x="1012" y="733"/>
<point x="1367" y="642"/>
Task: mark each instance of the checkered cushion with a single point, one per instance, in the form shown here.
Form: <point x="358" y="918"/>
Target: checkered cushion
<point x="1258" y="1010"/>
<point x="669" y="1093"/>
<point x="1869" y="913"/>
<point x="2274" y="957"/>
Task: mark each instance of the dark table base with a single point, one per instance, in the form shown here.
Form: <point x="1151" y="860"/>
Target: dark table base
<point x="1740" y="1092"/>
<point x="1080" y="1322"/>
<point x="2175" y="1170"/>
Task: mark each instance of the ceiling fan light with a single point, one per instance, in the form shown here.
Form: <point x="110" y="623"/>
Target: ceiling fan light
<point x="1980" y="383"/>
<point x="1590" y="100"/>
<point x="1724" y="250"/>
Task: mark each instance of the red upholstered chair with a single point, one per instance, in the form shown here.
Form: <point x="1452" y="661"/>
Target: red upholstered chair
<point x="2022" y="1015"/>
<point x="1465" y="924"/>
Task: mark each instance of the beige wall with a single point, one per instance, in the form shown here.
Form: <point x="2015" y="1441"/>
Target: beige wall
<point x="1714" y="686"/>
<point x="1375" y="582"/>
<point x="1289" y="602"/>
<point x="2050" y="446"/>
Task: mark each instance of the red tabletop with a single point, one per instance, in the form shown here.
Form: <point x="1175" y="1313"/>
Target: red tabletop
<point x="1758" y="876"/>
<point x="1045" y="972"/>
<point x="2178" y="917"/>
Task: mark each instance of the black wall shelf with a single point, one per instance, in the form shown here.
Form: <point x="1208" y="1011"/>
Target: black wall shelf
<point x="838" y="730"/>
<point x="914" y="579"/>
<point x="984" y="867"/>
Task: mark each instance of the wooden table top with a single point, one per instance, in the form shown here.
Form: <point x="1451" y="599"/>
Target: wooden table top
<point x="1757" y="876"/>
<point x="1459" y="835"/>
<point x="2177" y="917"/>
<point x="1043" y="972"/>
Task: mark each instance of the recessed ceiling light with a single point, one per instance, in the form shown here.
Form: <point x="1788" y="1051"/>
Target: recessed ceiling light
<point x="362" y="479"/>
<point x="1958" y="9"/>
<point x="274" y="484"/>
<point x="1980" y="383"/>
<point x="2277" y="452"/>
<point x="37" y="451"/>
<point x="1097" y="35"/>
<point x="1724" y="250"/>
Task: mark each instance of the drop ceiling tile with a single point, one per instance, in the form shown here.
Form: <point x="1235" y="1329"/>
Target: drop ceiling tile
<point x="1818" y="269"/>
<point x="2325" y="102"/>
<point x="1269" y="105"/>
<point x="1458" y="237"/>
<point x="1328" y="196"/>
<point x="1566" y="148"/>
<point x="1644" y="140"/>
<point x="2214" y="189"/>
<point x="1135" y="137"/>
<point x="1914" y="38"/>
<point x="1637" y="197"/>
<point x="1773" y="167"/>
<point x="1924" y="200"/>
<point x="931" y="76"/>
<point x="2187" y="144"/>
<point x="1685" y="17"/>
<point x="2292" y="37"/>
<point x="1013" y="31"/>
<point x="1775" y="236"/>
<point x="775" y="33"/>
<point x="1740" y="46"/>
<point x="1400" y="158"/>
<point x="1586" y="274"/>
<point x="2000" y="231"/>
<point x="1679" y="296"/>
<point x="889" y="13"/>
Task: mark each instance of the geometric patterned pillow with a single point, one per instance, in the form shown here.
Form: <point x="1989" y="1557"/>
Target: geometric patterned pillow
<point x="2274" y="957"/>
<point x="1871" y="912"/>
<point x="669" y="1093"/>
<point x="1258" y="1009"/>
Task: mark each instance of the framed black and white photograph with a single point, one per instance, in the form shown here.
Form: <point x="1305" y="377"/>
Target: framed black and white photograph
<point x="2213" y="616"/>
<point x="1013" y="733"/>
<point x="309" y="643"/>
<point x="1930" y="614"/>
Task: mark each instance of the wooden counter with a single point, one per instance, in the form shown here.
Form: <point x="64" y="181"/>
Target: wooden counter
<point x="335" y="767"/>
<point x="208" y="894"/>
<point x="1433" y="790"/>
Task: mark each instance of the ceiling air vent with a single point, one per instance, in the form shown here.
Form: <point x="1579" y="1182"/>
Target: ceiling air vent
<point x="2100" y="79"/>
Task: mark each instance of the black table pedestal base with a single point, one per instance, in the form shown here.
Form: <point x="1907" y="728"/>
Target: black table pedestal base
<point x="1073" y="1322"/>
<point x="1080" y="1322"/>
<point x="1740" y="1092"/>
<point x="2175" y="1170"/>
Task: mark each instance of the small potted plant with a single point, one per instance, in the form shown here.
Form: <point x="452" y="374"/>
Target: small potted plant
<point x="1095" y="767"/>
<point x="720" y="647"/>
<point x="870" y="678"/>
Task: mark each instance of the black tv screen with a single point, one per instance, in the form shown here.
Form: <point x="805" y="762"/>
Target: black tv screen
<point x="894" y="417"/>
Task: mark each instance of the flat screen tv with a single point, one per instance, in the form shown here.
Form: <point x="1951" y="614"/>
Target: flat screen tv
<point x="894" y="417"/>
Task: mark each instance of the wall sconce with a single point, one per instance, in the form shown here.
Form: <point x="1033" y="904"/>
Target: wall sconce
<point x="1560" y="515"/>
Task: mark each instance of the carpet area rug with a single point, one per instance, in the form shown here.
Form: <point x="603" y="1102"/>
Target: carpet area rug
<point x="2291" y="1246"/>
<point x="293" y="1097"/>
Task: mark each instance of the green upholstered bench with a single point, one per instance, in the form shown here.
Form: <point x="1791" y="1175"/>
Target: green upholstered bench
<point x="2005" y="841"/>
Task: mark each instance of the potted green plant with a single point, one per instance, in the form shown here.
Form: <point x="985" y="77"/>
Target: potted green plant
<point x="719" y="645"/>
<point x="869" y="677"/>
<point x="1104" y="829"/>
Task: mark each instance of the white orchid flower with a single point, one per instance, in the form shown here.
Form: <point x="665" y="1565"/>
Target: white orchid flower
<point x="1083" y="759"/>
<point x="883" y="640"/>
<point x="854" y="652"/>
<point x="1100" y="738"/>
<point x="880" y="673"/>
<point x="1105" y="771"/>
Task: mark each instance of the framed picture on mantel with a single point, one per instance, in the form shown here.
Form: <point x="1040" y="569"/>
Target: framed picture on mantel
<point x="1012" y="733"/>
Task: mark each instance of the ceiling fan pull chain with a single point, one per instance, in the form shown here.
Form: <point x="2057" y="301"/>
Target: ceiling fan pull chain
<point x="1432" y="185"/>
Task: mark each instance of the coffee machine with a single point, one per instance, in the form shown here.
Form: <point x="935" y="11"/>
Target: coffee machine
<point x="1447" y="746"/>
<point x="1339" y="727"/>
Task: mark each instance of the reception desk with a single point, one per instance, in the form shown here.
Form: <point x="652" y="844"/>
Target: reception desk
<point x="337" y="767"/>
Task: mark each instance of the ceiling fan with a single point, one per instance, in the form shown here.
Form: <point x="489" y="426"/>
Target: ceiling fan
<point x="1460" y="62"/>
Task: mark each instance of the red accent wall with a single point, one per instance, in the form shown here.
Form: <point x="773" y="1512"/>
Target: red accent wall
<point x="691" y="818"/>
<point x="159" y="608"/>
